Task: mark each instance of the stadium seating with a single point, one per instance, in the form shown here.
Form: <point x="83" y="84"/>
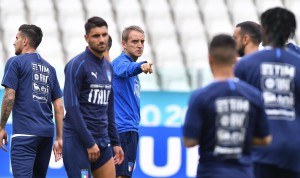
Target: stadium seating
<point x="266" y="4"/>
<point x="177" y="31"/>
<point x="242" y="11"/>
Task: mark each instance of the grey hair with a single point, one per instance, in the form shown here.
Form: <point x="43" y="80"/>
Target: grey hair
<point x="127" y="30"/>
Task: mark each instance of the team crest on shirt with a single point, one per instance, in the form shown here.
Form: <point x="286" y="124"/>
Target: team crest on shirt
<point x="84" y="173"/>
<point x="108" y="73"/>
<point x="137" y="87"/>
<point x="130" y="166"/>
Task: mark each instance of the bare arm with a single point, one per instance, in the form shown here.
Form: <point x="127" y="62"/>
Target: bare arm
<point x="7" y="105"/>
<point x="58" y="114"/>
<point x="189" y="142"/>
<point x="262" y="141"/>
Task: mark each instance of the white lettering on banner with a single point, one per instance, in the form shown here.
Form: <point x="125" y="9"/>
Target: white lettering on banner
<point x="147" y="157"/>
<point x="55" y="165"/>
<point x="152" y="115"/>
<point x="192" y="161"/>
<point x="148" y="110"/>
<point x="174" y="119"/>
<point x="277" y="84"/>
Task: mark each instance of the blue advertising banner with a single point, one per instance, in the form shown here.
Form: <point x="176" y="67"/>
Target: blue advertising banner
<point x="160" y="154"/>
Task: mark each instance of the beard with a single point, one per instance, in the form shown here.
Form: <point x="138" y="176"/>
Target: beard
<point x="96" y="48"/>
<point x="18" y="52"/>
<point x="241" y="51"/>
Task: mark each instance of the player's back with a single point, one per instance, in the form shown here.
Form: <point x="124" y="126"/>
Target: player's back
<point x="231" y="114"/>
<point x="276" y="72"/>
<point x="36" y="86"/>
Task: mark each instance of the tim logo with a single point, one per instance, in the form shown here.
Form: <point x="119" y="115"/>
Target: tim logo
<point x="94" y="74"/>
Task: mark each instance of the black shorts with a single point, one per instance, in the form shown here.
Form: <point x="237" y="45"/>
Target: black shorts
<point x="129" y="142"/>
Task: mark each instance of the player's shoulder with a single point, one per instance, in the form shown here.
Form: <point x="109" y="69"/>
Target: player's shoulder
<point x="250" y="92"/>
<point x="206" y="91"/>
<point x="17" y="60"/>
<point x="107" y="64"/>
<point x="247" y="87"/>
<point x="77" y="60"/>
<point x="255" y="56"/>
<point x="11" y="59"/>
<point x="292" y="55"/>
<point x="121" y="58"/>
<point x="294" y="48"/>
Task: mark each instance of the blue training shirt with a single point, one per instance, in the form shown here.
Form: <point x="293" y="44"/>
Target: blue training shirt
<point x="224" y="117"/>
<point x="88" y="99"/>
<point x="36" y="86"/>
<point x="127" y="87"/>
<point x="293" y="48"/>
<point x="276" y="72"/>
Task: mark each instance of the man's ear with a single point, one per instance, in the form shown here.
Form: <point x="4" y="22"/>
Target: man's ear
<point x="211" y="63"/>
<point x="86" y="37"/>
<point x="210" y="60"/>
<point x="25" y="41"/>
<point x="246" y="39"/>
<point x="124" y="44"/>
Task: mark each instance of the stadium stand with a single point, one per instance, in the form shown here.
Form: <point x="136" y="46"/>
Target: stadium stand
<point x="177" y="31"/>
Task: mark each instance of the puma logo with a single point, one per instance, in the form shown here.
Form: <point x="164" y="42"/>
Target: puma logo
<point x="94" y="74"/>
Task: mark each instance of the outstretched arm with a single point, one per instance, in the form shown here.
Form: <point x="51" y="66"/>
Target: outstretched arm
<point x="126" y="68"/>
<point x="7" y="105"/>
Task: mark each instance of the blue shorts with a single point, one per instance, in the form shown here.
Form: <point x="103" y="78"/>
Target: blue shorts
<point x="129" y="142"/>
<point x="75" y="157"/>
<point x="30" y="156"/>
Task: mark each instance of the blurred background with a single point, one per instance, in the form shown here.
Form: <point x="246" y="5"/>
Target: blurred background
<point x="177" y="37"/>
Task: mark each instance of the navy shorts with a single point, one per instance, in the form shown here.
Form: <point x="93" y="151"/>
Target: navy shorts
<point x="30" y="156"/>
<point x="75" y="157"/>
<point x="273" y="171"/>
<point x="129" y="142"/>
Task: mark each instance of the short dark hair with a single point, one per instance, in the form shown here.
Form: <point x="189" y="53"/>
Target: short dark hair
<point x="33" y="33"/>
<point x="109" y="44"/>
<point x="252" y="29"/>
<point x="279" y="25"/>
<point x="223" y="49"/>
<point x="94" y="22"/>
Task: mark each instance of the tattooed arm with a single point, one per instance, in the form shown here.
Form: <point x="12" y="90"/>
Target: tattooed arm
<point x="7" y="105"/>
